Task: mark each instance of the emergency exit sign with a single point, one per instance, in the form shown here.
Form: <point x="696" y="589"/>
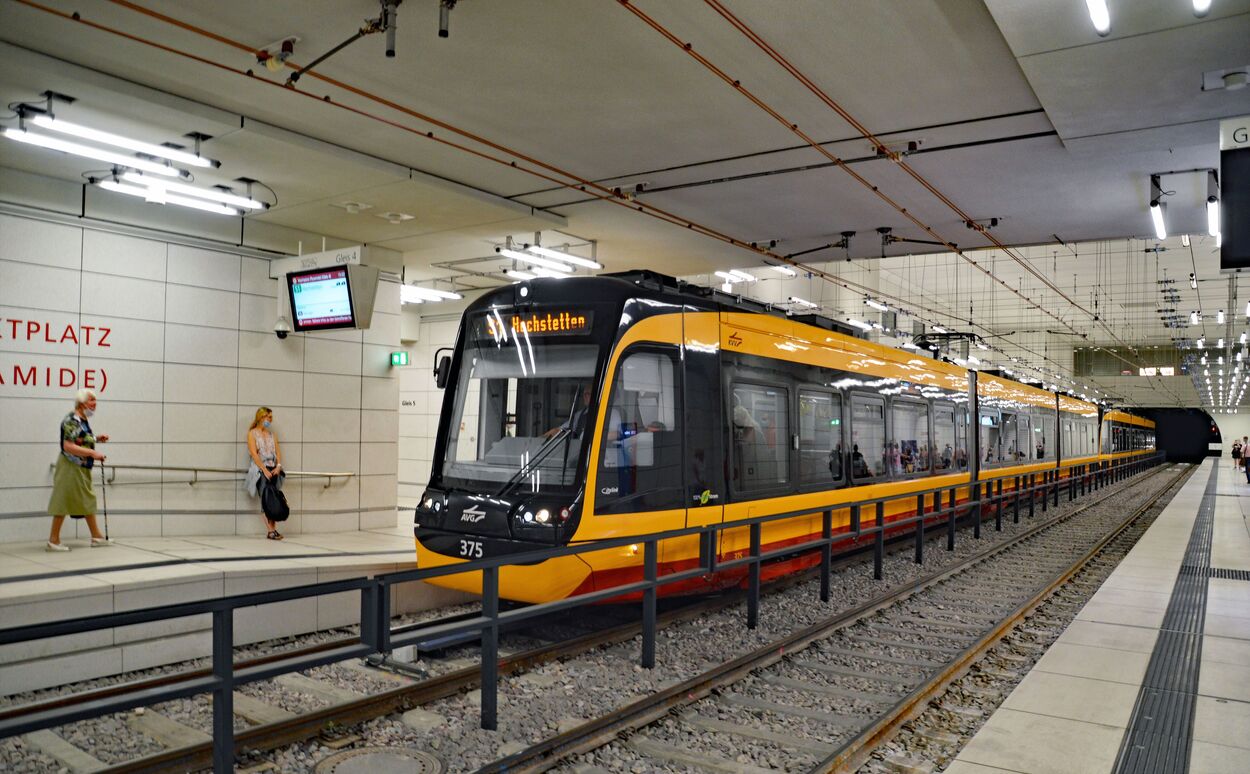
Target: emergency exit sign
<point x="399" y="358"/>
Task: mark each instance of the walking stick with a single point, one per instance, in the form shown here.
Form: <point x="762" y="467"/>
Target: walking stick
<point x="104" y="490"/>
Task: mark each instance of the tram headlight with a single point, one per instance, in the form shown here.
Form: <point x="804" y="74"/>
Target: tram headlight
<point x="543" y="516"/>
<point x="428" y="503"/>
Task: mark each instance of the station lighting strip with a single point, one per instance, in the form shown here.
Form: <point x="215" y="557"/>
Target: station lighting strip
<point x="542" y="171"/>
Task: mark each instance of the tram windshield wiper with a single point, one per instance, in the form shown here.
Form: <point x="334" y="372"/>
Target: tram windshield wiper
<point x="541" y="454"/>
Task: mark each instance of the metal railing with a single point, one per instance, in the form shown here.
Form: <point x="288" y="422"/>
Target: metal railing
<point x="934" y="504"/>
<point x="111" y="478"/>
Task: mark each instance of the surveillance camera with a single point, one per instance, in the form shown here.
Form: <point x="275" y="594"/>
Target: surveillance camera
<point x="281" y="328"/>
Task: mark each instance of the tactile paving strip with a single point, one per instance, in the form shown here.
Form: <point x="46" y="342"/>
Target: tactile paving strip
<point x="1216" y="572"/>
<point x="1160" y="732"/>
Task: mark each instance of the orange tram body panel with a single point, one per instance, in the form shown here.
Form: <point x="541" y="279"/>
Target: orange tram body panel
<point x="596" y="408"/>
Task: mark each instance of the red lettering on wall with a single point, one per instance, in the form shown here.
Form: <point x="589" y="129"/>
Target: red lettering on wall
<point x="32" y="328"/>
<point x="104" y="339"/>
<point x="68" y="377"/>
<point x="69" y="335"/>
<point x="88" y="378"/>
<point x="27" y="378"/>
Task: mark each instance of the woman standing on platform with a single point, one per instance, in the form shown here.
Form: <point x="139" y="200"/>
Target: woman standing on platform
<point x="72" y="493"/>
<point x="262" y="446"/>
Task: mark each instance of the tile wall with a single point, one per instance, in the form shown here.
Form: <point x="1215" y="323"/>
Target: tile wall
<point x="188" y="355"/>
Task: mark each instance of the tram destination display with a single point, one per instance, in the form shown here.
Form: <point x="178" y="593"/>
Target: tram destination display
<point x="321" y="299"/>
<point x="547" y="322"/>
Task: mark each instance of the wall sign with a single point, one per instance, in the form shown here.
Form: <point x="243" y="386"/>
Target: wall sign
<point x="45" y="332"/>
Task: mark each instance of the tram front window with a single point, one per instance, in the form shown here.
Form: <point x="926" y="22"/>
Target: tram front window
<point x="521" y="412"/>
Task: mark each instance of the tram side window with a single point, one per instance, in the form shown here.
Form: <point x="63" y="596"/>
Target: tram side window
<point x="868" y="453"/>
<point x="944" y="444"/>
<point x="961" y="438"/>
<point x="1007" y="449"/>
<point x="642" y="451"/>
<point x="820" y="437"/>
<point x="990" y="427"/>
<point x="761" y="436"/>
<point x="909" y="450"/>
<point x="1024" y="437"/>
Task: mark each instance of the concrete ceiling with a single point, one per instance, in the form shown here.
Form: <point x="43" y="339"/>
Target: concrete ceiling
<point x="1016" y="110"/>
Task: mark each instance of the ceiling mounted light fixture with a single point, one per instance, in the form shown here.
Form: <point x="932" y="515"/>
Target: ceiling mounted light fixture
<point x="535" y="260"/>
<point x="518" y="275"/>
<point x="54" y="124"/>
<point x="1156" y="208"/>
<point x="805" y="302"/>
<point x="729" y="278"/>
<point x="1099" y="16"/>
<point x="938" y="329"/>
<point x="576" y="260"/>
<point x="1194" y="318"/>
<point x="1219" y="317"/>
<point x="1193" y="283"/>
<point x="783" y="270"/>
<point x="212" y="194"/>
<point x="99" y="154"/>
<point x="742" y="275"/>
<point x="159" y="196"/>
<point x="1202" y="8"/>
<point x="429" y="294"/>
<point x="876" y="305"/>
<point x="1213" y="203"/>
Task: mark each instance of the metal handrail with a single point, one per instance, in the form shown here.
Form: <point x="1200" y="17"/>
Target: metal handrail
<point x="376" y="635"/>
<point x="195" y="472"/>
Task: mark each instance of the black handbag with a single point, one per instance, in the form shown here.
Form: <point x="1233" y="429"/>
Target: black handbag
<point x="272" y="500"/>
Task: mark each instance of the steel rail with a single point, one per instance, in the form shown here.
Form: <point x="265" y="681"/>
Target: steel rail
<point x="856" y="751"/>
<point x="302" y="727"/>
<point x="638" y="714"/>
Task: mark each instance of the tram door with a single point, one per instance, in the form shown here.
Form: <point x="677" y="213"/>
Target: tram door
<point x="704" y="419"/>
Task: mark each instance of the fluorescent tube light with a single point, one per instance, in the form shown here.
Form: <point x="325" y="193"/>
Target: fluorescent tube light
<point x="909" y="345"/>
<point x="1221" y="346"/>
<point x="939" y="329"/>
<point x="1201" y="342"/>
<point x="982" y="345"/>
<point x="576" y="260"/>
<point x="877" y="305"/>
<point x="1194" y="319"/>
<point x="535" y="260"/>
<point x="1100" y="16"/>
<point x="1219" y="317"/>
<point x="729" y="278"/>
<point x="858" y="324"/>
<point x="548" y="273"/>
<point x="784" y="270"/>
<point x="143" y="192"/>
<point x="1213" y="216"/>
<point x="1184" y="240"/>
<point x="211" y="194"/>
<point x="408" y="295"/>
<point x="742" y="275"/>
<point x="803" y="302"/>
<point x="1202" y="8"/>
<point x="99" y="154"/>
<point x="430" y="294"/>
<point x="518" y="274"/>
<point x="1156" y="215"/>
<point x="108" y="138"/>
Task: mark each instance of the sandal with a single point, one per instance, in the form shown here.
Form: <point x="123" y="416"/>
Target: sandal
<point x="274" y="535"/>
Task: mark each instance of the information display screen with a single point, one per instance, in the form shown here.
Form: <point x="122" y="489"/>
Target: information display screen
<point x="321" y="299"/>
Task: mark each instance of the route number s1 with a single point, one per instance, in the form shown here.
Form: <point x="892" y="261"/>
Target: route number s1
<point x="471" y="549"/>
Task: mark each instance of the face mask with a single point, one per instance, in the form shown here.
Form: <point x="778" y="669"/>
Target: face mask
<point x="265" y="424"/>
<point x="88" y="413"/>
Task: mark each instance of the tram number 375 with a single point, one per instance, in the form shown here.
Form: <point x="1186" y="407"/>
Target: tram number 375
<point x="471" y="549"/>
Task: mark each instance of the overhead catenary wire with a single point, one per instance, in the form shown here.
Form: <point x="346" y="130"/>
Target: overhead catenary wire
<point x="519" y="161"/>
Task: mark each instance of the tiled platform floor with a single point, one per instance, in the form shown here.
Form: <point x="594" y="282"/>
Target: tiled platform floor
<point x="1070" y="713"/>
<point x="91" y="581"/>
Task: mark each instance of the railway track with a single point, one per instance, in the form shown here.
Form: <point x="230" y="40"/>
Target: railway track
<point x="826" y="696"/>
<point x="321" y="708"/>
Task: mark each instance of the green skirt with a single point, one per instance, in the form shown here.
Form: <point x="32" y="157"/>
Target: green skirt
<point x="72" y="493"/>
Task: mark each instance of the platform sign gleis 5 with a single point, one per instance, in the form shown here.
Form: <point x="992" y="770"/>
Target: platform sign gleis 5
<point x="499" y="325"/>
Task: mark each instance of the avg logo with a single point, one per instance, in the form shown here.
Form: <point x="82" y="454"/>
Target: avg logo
<point x="735" y="340"/>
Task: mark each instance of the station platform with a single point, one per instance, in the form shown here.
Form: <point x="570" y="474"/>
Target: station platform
<point x="1153" y="675"/>
<point x="36" y="586"/>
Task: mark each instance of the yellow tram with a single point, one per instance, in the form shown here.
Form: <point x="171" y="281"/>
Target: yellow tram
<point x="593" y="408"/>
